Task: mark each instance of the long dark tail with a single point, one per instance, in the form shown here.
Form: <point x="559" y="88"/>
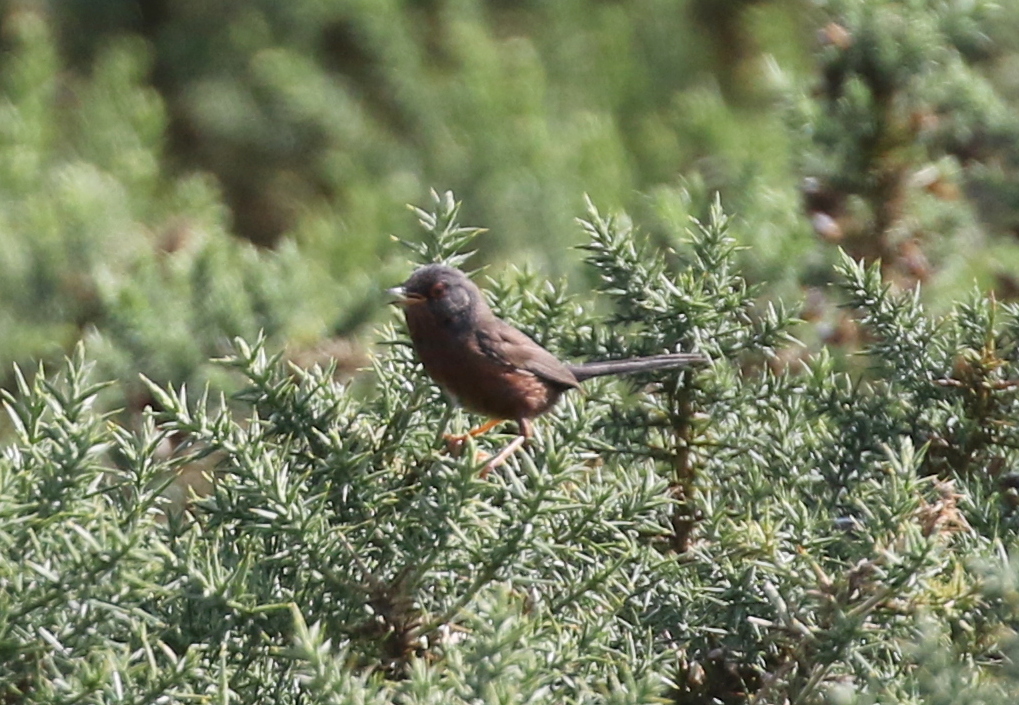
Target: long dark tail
<point x="636" y="364"/>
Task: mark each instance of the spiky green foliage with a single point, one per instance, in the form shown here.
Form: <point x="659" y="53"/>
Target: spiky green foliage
<point x="99" y="242"/>
<point x="736" y="534"/>
<point x="138" y="139"/>
<point x="911" y="133"/>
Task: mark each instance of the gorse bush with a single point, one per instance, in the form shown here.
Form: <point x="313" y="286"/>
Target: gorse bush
<point x="745" y="533"/>
<point x="905" y="114"/>
<point x="145" y="146"/>
<point x="99" y="242"/>
<point x="319" y="120"/>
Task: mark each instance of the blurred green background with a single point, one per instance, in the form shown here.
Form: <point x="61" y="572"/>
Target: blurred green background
<point x="177" y="172"/>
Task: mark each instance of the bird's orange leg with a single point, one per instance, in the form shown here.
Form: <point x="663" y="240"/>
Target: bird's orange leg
<point x="502" y="456"/>
<point x="505" y="453"/>
<point x="455" y="444"/>
<point x="483" y="428"/>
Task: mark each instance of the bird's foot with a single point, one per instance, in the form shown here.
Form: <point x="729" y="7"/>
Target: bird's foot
<point x="455" y="443"/>
<point x="502" y="456"/>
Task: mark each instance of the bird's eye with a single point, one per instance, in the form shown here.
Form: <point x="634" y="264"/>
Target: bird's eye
<point x="438" y="290"/>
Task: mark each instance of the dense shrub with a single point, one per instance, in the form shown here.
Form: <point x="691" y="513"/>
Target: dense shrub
<point x="141" y="143"/>
<point x="733" y="535"/>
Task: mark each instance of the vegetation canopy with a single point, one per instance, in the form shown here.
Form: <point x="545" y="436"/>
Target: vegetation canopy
<point x="737" y="534"/>
<point x="202" y="203"/>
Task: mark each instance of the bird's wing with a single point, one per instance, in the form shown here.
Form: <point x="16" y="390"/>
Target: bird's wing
<point x="511" y="347"/>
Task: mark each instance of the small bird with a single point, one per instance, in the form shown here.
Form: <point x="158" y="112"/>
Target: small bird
<point x="489" y="366"/>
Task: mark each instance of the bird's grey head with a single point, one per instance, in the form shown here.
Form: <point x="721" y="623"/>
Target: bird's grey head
<point x="445" y="293"/>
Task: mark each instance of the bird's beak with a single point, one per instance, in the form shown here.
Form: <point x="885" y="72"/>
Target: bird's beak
<point x="402" y="298"/>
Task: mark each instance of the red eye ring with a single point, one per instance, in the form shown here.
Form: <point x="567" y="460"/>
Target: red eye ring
<point x="438" y="290"/>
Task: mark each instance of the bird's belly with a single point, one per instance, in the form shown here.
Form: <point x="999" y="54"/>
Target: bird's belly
<point x="486" y="386"/>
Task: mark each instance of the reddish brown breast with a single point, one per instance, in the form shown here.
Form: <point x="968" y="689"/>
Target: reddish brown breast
<point x="479" y="382"/>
